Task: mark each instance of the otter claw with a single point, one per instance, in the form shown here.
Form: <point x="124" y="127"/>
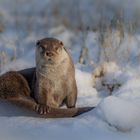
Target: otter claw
<point x="42" y="109"/>
<point x="36" y="108"/>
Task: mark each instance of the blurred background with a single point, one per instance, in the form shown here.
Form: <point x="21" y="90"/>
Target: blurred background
<point x="94" y="31"/>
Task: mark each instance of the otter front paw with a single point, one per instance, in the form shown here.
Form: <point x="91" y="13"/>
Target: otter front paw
<point x="42" y="109"/>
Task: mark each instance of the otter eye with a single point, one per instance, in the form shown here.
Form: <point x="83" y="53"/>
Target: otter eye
<point x="56" y="47"/>
<point x="47" y="53"/>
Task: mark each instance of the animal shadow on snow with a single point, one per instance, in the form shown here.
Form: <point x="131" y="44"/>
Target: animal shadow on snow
<point x="10" y="110"/>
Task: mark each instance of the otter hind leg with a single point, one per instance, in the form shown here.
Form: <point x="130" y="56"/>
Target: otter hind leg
<point x="15" y="88"/>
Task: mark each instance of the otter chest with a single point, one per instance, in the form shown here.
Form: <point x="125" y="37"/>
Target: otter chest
<point x="56" y="81"/>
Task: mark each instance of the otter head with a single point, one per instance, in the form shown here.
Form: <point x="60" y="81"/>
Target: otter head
<point x="49" y="51"/>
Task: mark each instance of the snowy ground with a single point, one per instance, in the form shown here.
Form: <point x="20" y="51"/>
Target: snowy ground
<point x="117" y="115"/>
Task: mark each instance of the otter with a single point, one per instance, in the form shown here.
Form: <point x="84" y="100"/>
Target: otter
<point x="55" y="75"/>
<point x="15" y="89"/>
<point x="47" y="86"/>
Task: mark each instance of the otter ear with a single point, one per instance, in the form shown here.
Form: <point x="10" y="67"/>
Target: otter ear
<point x="38" y="43"/>
<point x="61" y="43"/>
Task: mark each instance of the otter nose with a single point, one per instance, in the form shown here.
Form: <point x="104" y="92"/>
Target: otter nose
<point x="49" y="54"/>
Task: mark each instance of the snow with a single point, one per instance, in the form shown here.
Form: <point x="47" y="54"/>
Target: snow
<point x="115" y="117"/>
<point x="119" y="113"/>
<point x="113" y="87"/>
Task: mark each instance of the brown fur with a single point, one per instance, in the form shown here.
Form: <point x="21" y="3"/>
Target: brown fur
<point x="45" y="88"/>
<point x="55" y="75"/>
<point x="14" y="88"/>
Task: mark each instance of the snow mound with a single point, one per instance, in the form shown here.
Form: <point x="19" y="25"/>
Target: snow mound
<point x="119" y="113"/>
<point x="87" y="95"/>
<point x="130" y="90"/>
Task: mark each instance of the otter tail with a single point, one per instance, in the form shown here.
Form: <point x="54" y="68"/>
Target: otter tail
<point x="66" y="113"/>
